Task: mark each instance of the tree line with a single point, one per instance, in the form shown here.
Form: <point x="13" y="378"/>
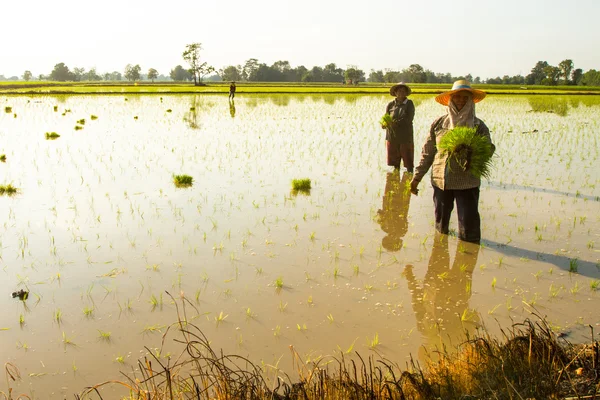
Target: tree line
<point x="542" y="73"/>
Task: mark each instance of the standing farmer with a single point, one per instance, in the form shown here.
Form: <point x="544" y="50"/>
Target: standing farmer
<point x="232" y="90"/>
<point x="450" y="184"/>
<point x="399" y="135"/>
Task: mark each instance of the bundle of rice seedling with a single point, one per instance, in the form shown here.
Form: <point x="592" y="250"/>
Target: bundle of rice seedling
<point x="386" y="121"/>
<point x="471" y="151"/>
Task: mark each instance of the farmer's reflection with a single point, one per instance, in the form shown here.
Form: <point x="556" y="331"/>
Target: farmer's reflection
<point x="232" y="108"/>
<point x="441" y="301"/>
<point x="394" y="211"/>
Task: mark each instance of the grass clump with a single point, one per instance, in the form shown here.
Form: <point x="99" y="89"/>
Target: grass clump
<point x="301" y="185"/>
<point x="7" y="109"/>
<point x="93" y="117"/>
<point x="8" y="190"/>
<point x="183" y="181"/>
<point x="81" y="121"/>
<point x="468" y="150"/>
<point x="2" y="157"/>
<point x="52" y="135"/>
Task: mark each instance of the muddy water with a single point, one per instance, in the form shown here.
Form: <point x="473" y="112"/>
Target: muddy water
<point x="99" y="226"/>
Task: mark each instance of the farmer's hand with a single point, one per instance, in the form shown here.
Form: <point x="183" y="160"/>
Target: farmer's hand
<point x="413" y="187"/>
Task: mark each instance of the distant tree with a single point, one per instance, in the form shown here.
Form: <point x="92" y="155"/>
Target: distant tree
<point x="415" y="74"/>
<point x="180" y="74"/>
<point x="61" y="73"/>
<point x="132" y="72"/>
<point x="376" y="76"/>
<point x="591" y="78"/>
<point x="391" y="76"/>
<point x="537" y="74"/>
<point x="191" y="55"/>
<point x="106" y="76"/>
<point x="250" y="68"/>
<point x="41" y="77"/>
<point x="331" y="73"/>
<point x="566" y="66"/>
<point x="552" y="75"/>
<point x="152" y="74"/>
<point x="79" y="73"/>
<point x="469" y="78"/>
<point x="116" y="76"/>
<point x="477" y="80"/>
<point x="355" y="74"/>
<point x="299" y="72"/>
<point x="27" y="75"/>
<point x="92" y="75"/>
<point x="231" y="73"/>
<point x="576" y="76"/>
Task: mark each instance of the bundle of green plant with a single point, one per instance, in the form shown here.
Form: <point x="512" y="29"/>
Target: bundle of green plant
<point x="183" y="181"/>
<point x="301" y="185"/>
<point x="81" y="121"/>
<point x="2" y="157"/>
<point x="8" y="190"/>
<point x="471" y="151"/>
<point x="529" y="362"/>
<point x="52" y="135"/>
<point x="78" y="127"/>
<point x="93" y="117"/>
<point x="55" y="108"/>
<point x="386" y="120"/>
<point x="8" y="109"/>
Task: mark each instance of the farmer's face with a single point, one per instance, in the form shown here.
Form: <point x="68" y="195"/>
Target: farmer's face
<point x="460" y="99"/>
<point x="401" y="93"/>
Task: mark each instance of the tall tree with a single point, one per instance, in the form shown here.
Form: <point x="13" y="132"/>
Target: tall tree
<point x="92" y="75"/>
<point x="231" y="73"/>
<point x="198" y="69"/>
<point x="61" y="73"/>
<point x="152" y="74"/>
<point x="552" y="75"/>
<point x="354" y="74"/>
<point x="537" y="73"/>
<point x="250" y="68"/>
<point x="576" y="76"/>
<point x="566" y="66"/>
<point x="376" y="76"/>
<point x="132" y="72"/>
<point x="27" y="75"/>
<point x="416" y="74"/>
<point x="79" y="73"/>
<point x="180" y="74"/>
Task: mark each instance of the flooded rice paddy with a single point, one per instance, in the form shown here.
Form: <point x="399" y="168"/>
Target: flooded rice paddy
<point x="98" y="231"/>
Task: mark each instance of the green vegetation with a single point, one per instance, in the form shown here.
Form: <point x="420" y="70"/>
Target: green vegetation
<point x="386" y="120"/>
<point x="7" y="109"/>
<point x="8" y="190"/>
<point x="2" y="157"/>
<point x="52" y="135"/>
<point x="469" y="150"/>
<point x="301" y="185"/>
<point x="183" y="181"/>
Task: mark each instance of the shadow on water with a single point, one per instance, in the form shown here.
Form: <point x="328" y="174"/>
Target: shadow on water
<point x="581" y="267"/>
<point x="441" y="300"/>
<point x="392" y="217"/>
<point x="510" y="186"/>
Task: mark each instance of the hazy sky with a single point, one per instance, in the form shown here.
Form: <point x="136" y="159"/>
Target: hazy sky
<point x="484" y="38"/>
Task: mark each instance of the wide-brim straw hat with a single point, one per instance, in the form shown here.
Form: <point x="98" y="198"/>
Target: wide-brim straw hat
<point x="458" y="86"/>
<point x="397" y="85"/>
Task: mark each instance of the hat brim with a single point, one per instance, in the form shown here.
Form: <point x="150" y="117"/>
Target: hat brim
<point x="444" y="98"/>
<point x="393" y="89"/>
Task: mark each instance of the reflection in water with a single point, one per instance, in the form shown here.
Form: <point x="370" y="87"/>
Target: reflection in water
<point x="393" y="216"/>
<point x="232" y="108"/>
<point x="441" y="301"/>
<point x="198" y="105"/>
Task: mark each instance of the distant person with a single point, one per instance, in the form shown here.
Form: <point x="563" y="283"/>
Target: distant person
<point x="449" y="183"/>
<point x="393" y="216"/>
<point x="441" y="301"/>
<point x="232" y="89"/>
<point x="399" y="136"/>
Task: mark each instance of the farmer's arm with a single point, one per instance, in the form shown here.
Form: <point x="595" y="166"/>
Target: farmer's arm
<point x="483" y="130"/>
<point x="427" y="157"/>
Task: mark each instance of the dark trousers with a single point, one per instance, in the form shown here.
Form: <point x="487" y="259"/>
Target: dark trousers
<point x="400" y="152"/>
<point x="467" y="204"/>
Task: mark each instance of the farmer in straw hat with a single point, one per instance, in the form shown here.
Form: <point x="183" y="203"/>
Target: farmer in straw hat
<point x="450" y="184"/>
<point x="399" y="135"/>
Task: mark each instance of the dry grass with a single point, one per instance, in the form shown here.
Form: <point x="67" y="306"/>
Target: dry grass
<point x="528" y="362"/>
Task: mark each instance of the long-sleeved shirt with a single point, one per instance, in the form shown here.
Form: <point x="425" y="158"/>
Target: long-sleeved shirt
<point x="402" y="113"/>
<point x="444" y="175"/>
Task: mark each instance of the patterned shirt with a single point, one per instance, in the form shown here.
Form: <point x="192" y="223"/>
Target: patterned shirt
<point x="447" y="176"/>
<point x="402" y="113"/>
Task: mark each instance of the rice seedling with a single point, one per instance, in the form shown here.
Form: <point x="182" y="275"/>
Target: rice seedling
<point x="467" y="150"/>
<point x="309" y="301"/>
<point x="330" y="318"/>
<point x="301" y="186"/>
<point x="573" y="265"/>
<point x="78" y="127"/>
<point x="221" y="317"/>
<point x="182" y="181"/>
<point x="279" y="283"/>
<point x="120" y="359"/>
<point x="594" y="284"/>
<point x="52" y="135"/>
<point x="93" y="117"/>
<point x="3" y="158"/>
<point x="106" y="336"/>
<point x="277" y="331"/>
<point x="57" y="315"/>
<point x="301" y="327"/>
<point x="8" y="109"/>
<point x="67" y="341"/>
<point x="373" y="343"/>
<point x="282" y="306"/>
<point x="8" y="190"/>
<point x="386" y="121"/>
<point x="494" y="283"/>
<point x="21" y="319"/>
<point x="88" y="311"/>
<point x="81" y="121"/>
<point x="153" y="328"/>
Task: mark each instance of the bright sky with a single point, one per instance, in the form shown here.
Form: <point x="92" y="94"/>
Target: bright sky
<point x="482" y="37"/>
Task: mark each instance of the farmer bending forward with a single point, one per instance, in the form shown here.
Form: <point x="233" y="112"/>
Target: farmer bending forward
<point x="451" y="184"/>
<point x="399" y="136"/>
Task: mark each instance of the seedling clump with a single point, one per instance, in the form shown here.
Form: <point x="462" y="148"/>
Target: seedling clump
<point x="469" y="150"/>
<point x="52" y="135"/>
<point x="301" y="185"/>
<point x="8" y="190"/>
<point x="2" y="157"/>
<point x="183" y="181"/>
